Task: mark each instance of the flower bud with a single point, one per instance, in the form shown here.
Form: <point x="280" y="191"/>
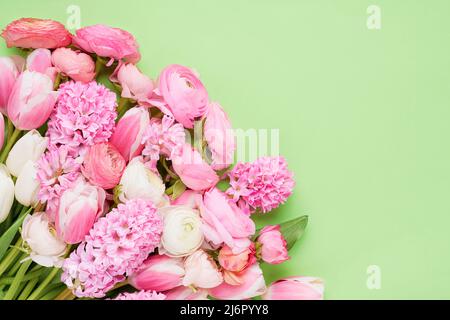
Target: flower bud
<point x="27" y="185"/>
<point x="135" y="84"/>
<point x="28" y="148"/>
<point x="40" y="60"/>
<point x="129" y="130"/>
<point x="237" y="262"/>
<point x="76" y="65"/>
<point x="182" y="231"/>
<point x="8" y="76"/>
<point x="295" y="288"/>
<point x="31" y="101"/>
<point x="79" y="208"/>
<point x="273" y="245"/>
<point x="139" y="182"/>
<point x="201" y="271"/>
<point x="46" y="249"/>
<point x="6" y="193"/>
<point x="159" y="273"/>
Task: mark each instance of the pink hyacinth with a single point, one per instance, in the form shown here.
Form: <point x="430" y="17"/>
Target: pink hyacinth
<point x="56" y="172"/>
<point x="115" y="248"/>
<point x="261" y="185"/>
<point x="84" y="115"/>
<point x="141" y="295"/>
<point x="163" y="137"/>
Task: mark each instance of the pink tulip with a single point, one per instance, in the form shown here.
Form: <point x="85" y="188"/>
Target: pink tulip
<point x="224" y="222"/>
<point x="159" y="273"/>
<point x="113" y="43"/>
<point x="8" y="76"/>
<point x="195" y="173"/>
<point x="36" y="33"/>
<point x="135" y="84"/>
<point x="253" y="285"/>
<point x="184" y="94"/>
<point x="201" y="271"/>
<point x="79" y="208"/>
<point x="220" y="137"/>
<point x="295" y="288"/>
<point x="237" y="262"/>
<point x="103" y="165"/>
<point x="127" y="136"/>
<point x="31" y="101"/>
<point x="273" y="245"/>
<point x="186" y="293"/>
<point x="40" y="60"/>
<point x="189" y="198"/>
<point x="2" y="130"/>
<point x="76" y="65"/>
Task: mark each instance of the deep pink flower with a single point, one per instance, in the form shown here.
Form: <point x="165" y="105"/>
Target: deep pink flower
<point x="36" y="33"/>
<point x="116" y="247"/>
<point x="273" y="245"/>
<point x="105" y="41"/>
<point x="261" y="185"/>
<point x="84" y="115"/>
<point x="141" y="295"/>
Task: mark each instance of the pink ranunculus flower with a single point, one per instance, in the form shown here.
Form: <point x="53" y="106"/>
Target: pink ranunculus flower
<point x="76" y="65"/>
<point x="103" y="165"/>
<point x="159" y="273"/>
<point x="8" y="75"/>
<point x="2" y="131"/>
<point x="273" y="245"/>
<point x="295" y="288"/>
<point x="79" y="208"/>
<point x="224" y="222"/>
<point x="31" y="101"/>
<point x="186" y="293"/>
<point x="36" y="33"/>
<point x="135" y="84"/>
<point x="195" y="173"/>
<point x="189" y="198"/>
<point x="183" y="93"/>
<point x="220" y="137"/>
<point x="129" y="130"/>
<point x="201" y="271"/>
<point x="252" y="285"/>
<point x="113" y="43"/>
<point x="237" y="262"/>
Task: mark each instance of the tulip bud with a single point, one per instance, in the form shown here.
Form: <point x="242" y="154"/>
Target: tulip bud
<point x="139" y="182"/>
<point x="8" y="76"/>
<point x="186" y="293"/>
<point x="40" y="60"/>
<point x="135" y="85"/>
<point x="27" y="185"/>
<point x="201" y="271"/>
<point x="28" y="148"/>
<point x="295" y="288"/>
<point x="182" y="231"/>
<point x="46" y="249"/>
<point x="127" y="136"/>
<point x="273" y="245"/>
<point x="6" y="193"/>
<point x="76" y="65"/>
<point x="79" y="208"/>
<point x="31" y="101"/>
<point x="159" y="273"/>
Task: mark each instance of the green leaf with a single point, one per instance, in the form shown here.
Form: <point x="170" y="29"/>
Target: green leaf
<point x="178" y="189"/>
<point x="293" y="230"/>
<point x="8" y="236"/>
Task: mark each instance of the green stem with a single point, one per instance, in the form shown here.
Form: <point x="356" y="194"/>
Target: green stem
<point x="17" y="280"/>
<point x="52" y="294"/>
<point x="99" y="63"/>
<point x="27" y="290"/>
<point x="9" y="129"/>
<point x="57" y="82"/>
<point x="43" y="284"/>
<point x="16" y="266"/>
<point x="9" y="145"/>
<point x="13" y="253"/>
<point x="29" y="276"/>
<point x="170" y="172"/>
<point x="122" y="107"/>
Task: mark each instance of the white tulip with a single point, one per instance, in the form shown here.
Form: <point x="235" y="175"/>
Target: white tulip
<point x="182" y="231"/>
<point x="30" y="147"/>
<point x="27" y="185"/>
<point x="139" y="182"/>
<point x="46" y="249"/>
<point x="6" y="193"/>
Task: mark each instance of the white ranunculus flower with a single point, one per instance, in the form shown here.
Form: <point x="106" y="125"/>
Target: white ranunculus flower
<point x="182" y="232"/>
<point x="46" y="249"/>
<point x="27" y="185"/>
<point x="139" y="182"/>
<point x="30" y="147"/>
<point x="6" y="193"/>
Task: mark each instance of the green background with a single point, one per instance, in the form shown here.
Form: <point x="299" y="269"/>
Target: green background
<point x="363" y="117"/>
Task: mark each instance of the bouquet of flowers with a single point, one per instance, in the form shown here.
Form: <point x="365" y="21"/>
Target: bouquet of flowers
<point x="125" y="189"/>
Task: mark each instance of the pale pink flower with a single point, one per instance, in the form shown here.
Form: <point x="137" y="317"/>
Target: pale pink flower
<point x="261" y="185"/>
<point x="273" y="245"/>
<point x="116" y="247"/>
<point x="135" y="85"/>
<point x="40" y="60"/>
<point x="186" y="293"/>
<point x="75" y="65"/>
<point x="8" y="75"/>
<point x="295" y="288"/>
<point x="84" y="115"/>
<point x="113" y="43"/>
<point x="36" y="33"/>
<point x="2" y="130"/>
<point x="141" y="295"/>
<point x="201" y="271"/>
<point x="237" y="262"/>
